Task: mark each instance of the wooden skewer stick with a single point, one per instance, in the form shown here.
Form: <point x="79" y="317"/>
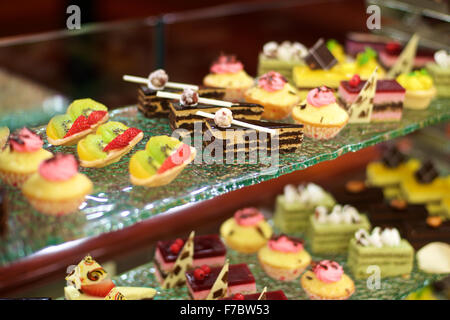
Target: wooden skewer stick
<point x="239" y="123"/>
<point x="261" y="296"/>
<point x="175" y="85"/>
<point x="213" y="102"/>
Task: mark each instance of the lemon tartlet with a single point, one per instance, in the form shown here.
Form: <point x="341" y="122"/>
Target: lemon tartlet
<point x="420" y="89"/>
<point x="274" y="93"/>
<point x="321" y="116"/>
<point x="57" y="188"/>
<point x="227" y="72"/>
<point x="22" y="157"/>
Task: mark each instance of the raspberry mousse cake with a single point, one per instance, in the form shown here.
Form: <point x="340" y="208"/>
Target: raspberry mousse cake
<point x="387" y="102"/>
<point x="200" y="281"/>
<point x="269" y="295"/>
<point x="208" y="250"/>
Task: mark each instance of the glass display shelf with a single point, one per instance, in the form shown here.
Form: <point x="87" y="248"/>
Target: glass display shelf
<point x="115" y="203"/>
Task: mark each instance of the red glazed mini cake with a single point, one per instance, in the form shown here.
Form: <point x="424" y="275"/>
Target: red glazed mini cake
<point x="392" y="50"/>
<point x="57" y="188"/>
<point x="201" y="280"/>
<point x="247" y="231"/>
<point x="208" y="250"/>
<point x="284" y="258"/>
<point x="22" y="158"/>
<point x="387" y="103"/>
<point x="327" y="281"/>
<point x="269" y="295"/>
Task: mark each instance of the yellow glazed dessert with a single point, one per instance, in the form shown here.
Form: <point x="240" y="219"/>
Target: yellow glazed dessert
<point x="284" y="258"/>
<point x="274" y="93"/>
<point x="227" y="72"/>
<point x="247" y="231"/>
<point x="82" y="117"/>
<point x="22" y="157"/>
<point x="327" y="281"/>
<point x="419" y="87"/>
<point x="57" y="188"/>
<point x="337" y="50"/>
<point x="111" y="141"/>
<point x="321" y="116"/>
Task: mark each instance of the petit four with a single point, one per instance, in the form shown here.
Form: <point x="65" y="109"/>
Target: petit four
<point x="247" y="137"/>
<point x="57" y="188"/>
<point x="268" y="295"/>
<point x="392" y="168"/>
<point x="440" y="72"/>
<point x="293" y="208"/>
<point x="4" y="204"/>
<point x="4" y="134"/>
<point x="108" y="144"/>
<point x="327" y="281"/>
<point x="405" y="61"/>
<point x="82" y="117"/>
<point x="247" y="231"/>
<point x="383" y="248"/>
<point x="331" y="231"/>
<point x="284" y="258"/>
<point x="321" y="116"/>
<point x="228" y="72"/>
<point x="22" y="157"/>
<point x="220" y="287"/>
<point x="161" y="162"/>
<point x="419" y="89"/>
<point x="239" y="279"/>
<point x="208" y="250"/>
<point x="274" y="93"/>
<point x="281" y="58"/>
<point x="434" y="258"/>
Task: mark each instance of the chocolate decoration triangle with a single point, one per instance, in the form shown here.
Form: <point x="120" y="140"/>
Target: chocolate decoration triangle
<point x="319" y="57"/>
<point x="263" y="295"/>
<point x="183" y="263"/>
<point x="220" y="286"/>
<point x="361" y="110"/>
<point x="115" y="294"/>
<point x="405" y="60"/>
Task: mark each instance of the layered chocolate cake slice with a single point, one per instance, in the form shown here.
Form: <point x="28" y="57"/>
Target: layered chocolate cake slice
<point x="238" y="139"/>
<point x="208" y="250"/>
<point x="387" y="103"/>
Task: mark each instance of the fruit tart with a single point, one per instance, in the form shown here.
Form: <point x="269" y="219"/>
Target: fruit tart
<point x="162" y="161"/>
<point x="108" y="144"/>
<point x="82" y="117"/>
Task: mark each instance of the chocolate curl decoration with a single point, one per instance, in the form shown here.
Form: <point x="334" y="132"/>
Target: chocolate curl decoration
<point x="427" y="173"/>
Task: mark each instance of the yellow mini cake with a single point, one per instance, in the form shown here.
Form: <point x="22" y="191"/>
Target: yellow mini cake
<point x="327" y="281"/>
<point x="22" y="158"/>
<point x="284" y="258"/>
<point x="274" y="93"/>
<point x="247" y="231"/>
<point x="57" y="188"/>
<point x="321" y="116"/>
<point x="420" y="89"/>
<point x="229" y="73"/>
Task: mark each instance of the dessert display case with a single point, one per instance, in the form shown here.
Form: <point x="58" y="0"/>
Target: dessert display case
<point x="118" y="216"/>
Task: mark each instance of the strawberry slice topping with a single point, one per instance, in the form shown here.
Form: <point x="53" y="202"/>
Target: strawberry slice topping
<point x="122" y="140"/>
<point x="96" y="116"/>
<point x="177" y="158"/>
<point x="80" y="124"/>
<point x="100" y="289"/>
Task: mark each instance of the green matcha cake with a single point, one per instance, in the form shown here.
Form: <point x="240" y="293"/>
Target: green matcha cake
<point x="384" y="249"/>
<point x="331" y="233"/>
<point x="296" y="205"/>
<point x="441" y="78"/>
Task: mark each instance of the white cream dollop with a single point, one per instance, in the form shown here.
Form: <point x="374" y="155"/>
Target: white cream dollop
<point x="157" y="79"/>
<point x="391" y="237"/>
<point x="442" y="58"/>
<point x="286" y="51"/>
<point x="270" y="49"/>
<point x="223" y="118"/>
<point x="362" y="237"/>
<point x="321" y="214"/>
<point x="291" y="194"/>
<point x="339" y="214"/>
<point x="311" y="193"/>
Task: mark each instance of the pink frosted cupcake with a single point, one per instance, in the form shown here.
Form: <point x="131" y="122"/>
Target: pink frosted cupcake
<point x="327" y="281"/>
<point x="284" y="258"/>
<point x="229" y="73"/>
<point x="22" y="157"/>
<point x="321" y="116"/>
<point x="57" y="188"/>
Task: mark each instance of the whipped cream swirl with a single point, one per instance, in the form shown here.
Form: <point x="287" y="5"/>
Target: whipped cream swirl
<point x="339" y="215"/>
<point x="389" y="237"/>
<point x="157" y="79"/>
<point x="286" y="51"/>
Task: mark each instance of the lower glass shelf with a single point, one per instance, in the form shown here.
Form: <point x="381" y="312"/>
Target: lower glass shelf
<point x="116" y="203"/>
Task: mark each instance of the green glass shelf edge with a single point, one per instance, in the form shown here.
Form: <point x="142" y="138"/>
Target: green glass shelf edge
<point x="124" y="205"/>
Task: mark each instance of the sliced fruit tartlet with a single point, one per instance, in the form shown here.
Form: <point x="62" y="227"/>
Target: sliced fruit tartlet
<point x="110" y="142"/>
<point x="82" y="117"/>
<point x="162" y="161"/>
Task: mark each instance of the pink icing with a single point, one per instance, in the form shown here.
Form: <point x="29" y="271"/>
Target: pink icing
<point x="248" y="217"/>
<point x="25" y="141"/>
<point x="226" y="64"/>
<point x="284" y="244"/>
<point x="272" y="81"/>
<point x="320" y="97"/>
<point x="328" y="271"/>
<point x="61" y="167"/>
